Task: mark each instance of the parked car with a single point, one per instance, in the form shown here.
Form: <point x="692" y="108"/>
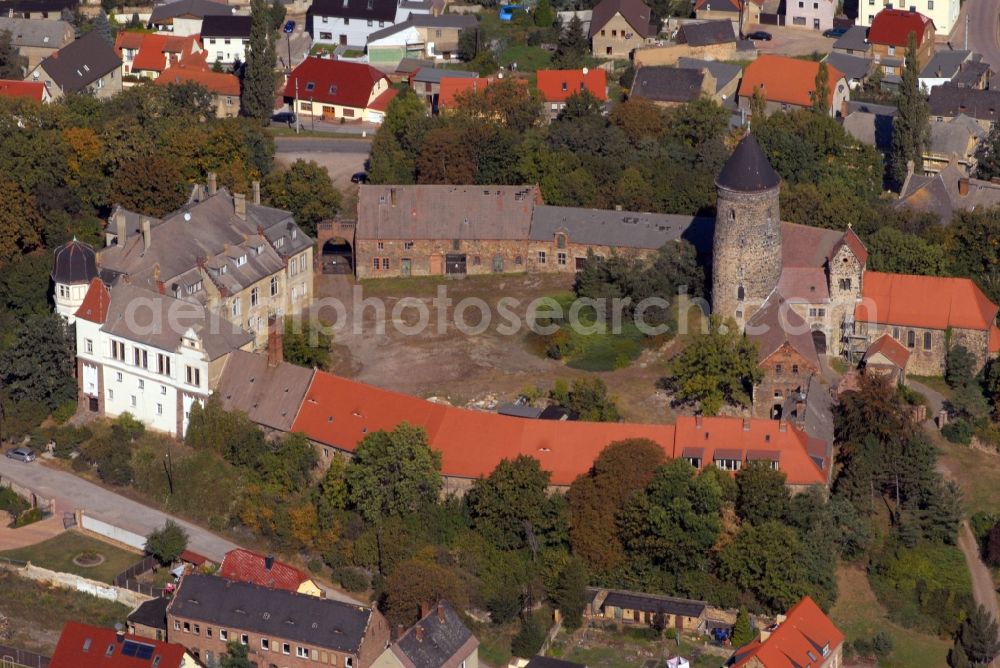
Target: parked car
<point x="359" y="177"/>
<point x="289" y="27"/>
<point x="835" y="32"/>
<point x="284" y="117"/>
<point x="760" y="36"/>
<point x="22" y="454"/>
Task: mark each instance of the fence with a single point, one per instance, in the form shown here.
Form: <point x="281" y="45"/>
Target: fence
<point x="772" y="19"/>
<point x="11" y="657"/>
<point x="117" y="534"/>
<point x="126" y="579"/>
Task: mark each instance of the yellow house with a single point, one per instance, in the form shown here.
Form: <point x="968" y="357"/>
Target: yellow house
<point x="618" y="27"/>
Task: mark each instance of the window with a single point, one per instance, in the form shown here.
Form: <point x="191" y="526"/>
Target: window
<point x="187" y="627"/>
<point x="111" y="394"/>
<point x="541" y="257"/>
<point x="159" y="411"/>
<point x="236" y="308"/>
<point x="603" y="33"/>
<point x="927" y="340"/>
<point x="142" y="384"/>
<point x="728" y="464"/>
<point x="274" y="286"/>
<point x="265" y="644"/>
<point x="177" y="625"/>
<point x="518" y="260"/>
<point x="223" y="634"/>
<point x="407" y="245"/>
<point x="311" y="86"/>
<point x="118" y="376"/>
<point x="381" y="245"/>
<point x="911" y="338"/>
<point x="163" y="389"/>
<point x="892" y="51"/>
<point x="193" y="376"/>
<point x="456" y="244"/>
<point x="88" y="345"/>
<point x="348" y="662"/>
<point x="286" y="648"/>
<point x="895" y="333"/>
<point x="118" y="350"/>
<point x="845" y="284"/>
<point x="349" y="113"/>
<point x="561" y="241"/>
<point x="561" y="258"/>
<point x="197" y="629"/>
<point x="385" y="263"/>
<point x="795" y="369"/>
<point x="476" y="260"/>
<point x="376" y="263"/>
<point x="741" y="293"/>
<point x="777" y="369"/>
<point x="614" y="33"/>
<point x="930" y="4"/>
<point x="254" y="297"/>
<point x="301" y="652"/>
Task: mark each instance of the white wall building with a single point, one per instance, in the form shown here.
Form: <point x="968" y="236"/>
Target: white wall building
<point x="944" y="13"/>
<point x="225" y="38"/>
<point x="74" y="267"/>
<point x="350" y="22"/>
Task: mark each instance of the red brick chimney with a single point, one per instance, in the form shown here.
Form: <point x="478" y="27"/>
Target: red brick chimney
<point x="440" y="612"/>
<point x="418" y="632"/>
<point x="425" y="609"/>
<point x="275" y="341"/>
<point x="963" y="186"/>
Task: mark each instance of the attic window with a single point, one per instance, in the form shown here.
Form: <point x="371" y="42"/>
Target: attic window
<point x="86" y="68"/>
<point x="333" y="89"/>
<point x="565" y="86"/>
<point x="371" y="4"/>
<point x="241" y="260"/>
<point x="259" y="249"/>
<point x="86" y="644"/>
<point x="311" y="85"/>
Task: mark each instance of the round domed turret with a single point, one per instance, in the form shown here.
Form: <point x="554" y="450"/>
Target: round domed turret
<point x="74" y="266"/>
<point x="746" y="249"/>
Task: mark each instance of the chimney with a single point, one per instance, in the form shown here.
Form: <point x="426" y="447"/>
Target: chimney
<point x="256" y="192"/>
<point x="269" y="562"/>
<point x="213" y="183"/>
<point x="147" y="239"/>
<point x="425" y="609"/>
<point x="275" y="342"/>
<point x="963" y="186"/>
<point x="120" y="227"/>
<point x="119" y="632"/>
<point x="782" y="425"/>
<point x="240" y="205"/>
<point x="399" y="631"/>
<point x="392" y="196"/>
<point x="419" y="633"/>
<point x="746" y="424"/>
<point x="440" y="612"/>
<point x="697" y="422"/>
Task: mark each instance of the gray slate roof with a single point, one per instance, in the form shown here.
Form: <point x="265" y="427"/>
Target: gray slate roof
<point x="622" y="229"/>
<point x="275" y="613"/>
<point x="748" y="169"/>
<point x="775" y="324"/>
<point x="633" y="600"/>
<point x="870" y="107"/>
<point x="39" y="33"/>
<point x="440" y="642"/>
<point x="971" y="74"/>
<point x="445" y="212"/>
<point x="81" y="63"/>
<point x="868" y="128"/>
<point x="946" y="64"/>
<point x="434" y="75"/>
<point x="661" y="83"/>
<point x="270" y="396"/>
<point x="151" y="613"/>
<point x="952" y="137"/>
<point x="460" y="21"/>
<point x="707" y="33"/>
<point x="226" y="26"/>
<point x="938" y="193"/>
<point x="952" y="100"/>
<point x="855" y="39"/>
<point x="196" y="8"/>
<point x="376" y="10"/>
<point x="144" y="316"/>
<point x="852" y="67"/>
<point x="724" y="73"/>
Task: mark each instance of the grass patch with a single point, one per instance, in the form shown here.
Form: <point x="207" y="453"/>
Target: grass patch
<point x="839" y="364"/>
<point x="57" y="554"/>
<point x="37" y="613"/>
<point x="859" y="615"/>
<point x="981" y="491"/>
<point x="426" y="286"/>
<point x="935" y="383"/>
<point x="528" y="58"/>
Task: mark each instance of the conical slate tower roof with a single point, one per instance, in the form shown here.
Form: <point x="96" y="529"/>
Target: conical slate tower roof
<point x="747" y="169"/>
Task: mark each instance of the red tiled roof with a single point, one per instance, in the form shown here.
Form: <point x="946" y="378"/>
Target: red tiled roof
<point x="931" y="302"/>
<point x="854" y="243"/>
<point x="557" y="85"/>
<point x="32" y="89"/>
<point x="381" y="103"/>
<point x="95" y="303"/>
<point x="340" y="412"/>
<point x="246" y="566"/>
<point x="220" y="83"/>
<point x="333" y="82"/>
<point x="452" y="86"/>
<point x="785" y="80"/>
<point x="994" y="343"/>
<point x="890" y="348"/>
<point x="893" y="27"/>
<point x="803" y="639"/>
<point x="154" y="49"/>
<point x="84" y="646"/>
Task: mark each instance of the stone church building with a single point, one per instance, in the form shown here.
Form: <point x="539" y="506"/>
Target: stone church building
<point x="804" y="292"/>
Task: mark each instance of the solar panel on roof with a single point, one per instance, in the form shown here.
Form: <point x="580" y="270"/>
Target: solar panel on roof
<point x="138" y="650"/>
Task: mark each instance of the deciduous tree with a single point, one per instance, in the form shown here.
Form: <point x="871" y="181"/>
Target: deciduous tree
<point x="167" y="542"/>
<point x="766" y="560"/>
<point x="305" y="189"/>
<point x="910" y="128"/>
<point x="508" y="506"/>
<point x="762" y="495"/>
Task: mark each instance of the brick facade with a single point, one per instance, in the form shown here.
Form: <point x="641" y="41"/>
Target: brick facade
<point x="786" y="373"/>
<point x="436" y="257"/>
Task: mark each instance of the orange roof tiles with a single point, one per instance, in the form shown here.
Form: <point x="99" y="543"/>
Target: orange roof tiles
<point x="931" y="302"/>
<point x="557" y="85"/>
<point x="805" y="638"/>
<point x="994" y="343"/>
<point x="31" y="89"/>
<point x="220" y="83"/>
<point x="156" y="51"/>
<point x="785" y="80"/>
<point x="453" y="86"/>
<point x="381" y="103"/>
<point x="339" y="412"/>
<point x="854" y="243"/>
<point x="246" y="566"/>
<point x="95" y="303"/>
<point x="890" y="348"/>
<point x="893" y="27"/>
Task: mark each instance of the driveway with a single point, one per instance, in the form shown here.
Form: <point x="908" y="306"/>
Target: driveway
<point x="790" y="41"/>
<point x="982" y="24"/>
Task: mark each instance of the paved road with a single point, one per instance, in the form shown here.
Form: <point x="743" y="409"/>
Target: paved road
<point x="321" y="145"/>
<point x="984" y="20"/>
<point x="71" y="493"/>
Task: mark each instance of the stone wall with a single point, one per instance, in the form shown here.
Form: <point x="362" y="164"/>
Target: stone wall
<point x="746" y="252"/>
<point x="77" y="583"/>
<point x="930" y="360"/>
<point x="669" y="55"/>
<point x="426" y="257"/>
<point x="785" y="372"/>
<point x="846" y="274"/>
<point x="31" y="496"/>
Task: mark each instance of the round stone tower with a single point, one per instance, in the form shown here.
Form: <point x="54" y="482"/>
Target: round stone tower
<point x="74" y="266"/>
<point x="746" y="250"/>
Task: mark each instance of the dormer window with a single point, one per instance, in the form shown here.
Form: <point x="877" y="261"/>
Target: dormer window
<point x="565" y="86"/>
<point x="311" y="86"/>
<point x="241" y="260"/>
<point x="295" y="233"/>
<point x="259" y="249"/>
<point x="195" y="288"/>
<point x="278" y="243"/>
<point x="333" y="89"/>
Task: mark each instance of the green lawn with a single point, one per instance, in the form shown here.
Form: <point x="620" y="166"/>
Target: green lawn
<point x="859" y="615"/>
<point x="528" y="58"/>
<point x="981" y="490"/>
<point x="57" y="554"/>
<point x="37" y="613"/>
